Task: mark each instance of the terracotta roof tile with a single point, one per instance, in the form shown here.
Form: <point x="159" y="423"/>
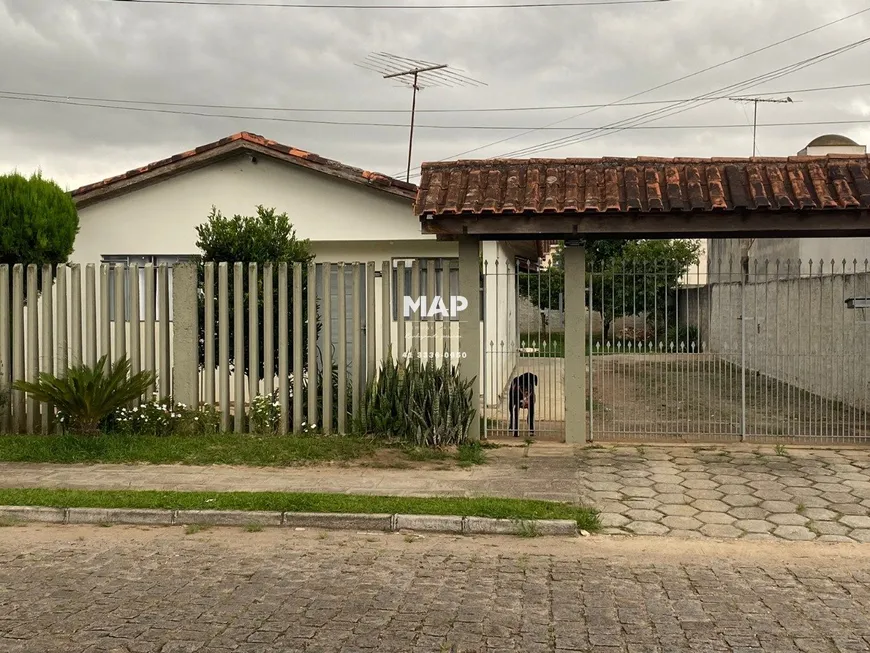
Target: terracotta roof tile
<point x="244" y="140"/>
<point x="648" y="184"/>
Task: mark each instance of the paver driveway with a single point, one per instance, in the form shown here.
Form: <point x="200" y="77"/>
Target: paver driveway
<point x="124" y="589"/>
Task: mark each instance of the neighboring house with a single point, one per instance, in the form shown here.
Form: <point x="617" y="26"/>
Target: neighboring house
<point x="735" y="250"/>
<point x="150" y="214"/>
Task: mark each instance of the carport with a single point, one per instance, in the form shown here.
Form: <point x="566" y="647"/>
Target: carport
<point x="571" y="199"/>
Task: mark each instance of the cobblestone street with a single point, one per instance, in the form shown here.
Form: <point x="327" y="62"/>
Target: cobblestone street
<point x="132" y="589"/>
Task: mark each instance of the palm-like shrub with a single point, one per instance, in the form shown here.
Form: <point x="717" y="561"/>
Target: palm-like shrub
<point x="87" y="395"/>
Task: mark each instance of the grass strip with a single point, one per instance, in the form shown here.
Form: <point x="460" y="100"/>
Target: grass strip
<point x="586" y="518"/>
<point x="224" y="449"/>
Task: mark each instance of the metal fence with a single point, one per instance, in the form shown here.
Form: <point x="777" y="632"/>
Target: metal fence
<point x="524" y="351"/>
<point x="754" y="350"/>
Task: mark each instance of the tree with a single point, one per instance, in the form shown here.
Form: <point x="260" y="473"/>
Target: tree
<point x="626" y="277"/>
<point x="38" y="221"/>
<point x="633" y="276"/>
<point x="544" y="288"/>
<point x="38" y="225"/>
<point x="266" y="237"/>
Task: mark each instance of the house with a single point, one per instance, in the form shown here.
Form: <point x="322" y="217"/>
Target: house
<point x="149" y="215"/>
<point x="821" y="251"/>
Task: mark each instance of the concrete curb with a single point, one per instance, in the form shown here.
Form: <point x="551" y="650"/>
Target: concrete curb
<point x="332" y="521"/>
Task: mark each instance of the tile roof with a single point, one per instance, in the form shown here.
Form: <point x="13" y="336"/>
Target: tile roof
<point x="535" y="186"/>
<point x="237" y="142"/>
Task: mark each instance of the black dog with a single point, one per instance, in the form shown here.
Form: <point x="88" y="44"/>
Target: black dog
<point x="522" y="395"/>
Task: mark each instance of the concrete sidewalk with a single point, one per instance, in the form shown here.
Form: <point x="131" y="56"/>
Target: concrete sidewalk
<point x="734" y="491"/>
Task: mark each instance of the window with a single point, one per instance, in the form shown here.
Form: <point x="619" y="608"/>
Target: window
<point x="446" y="281"/>
<point x="142" y="261"/>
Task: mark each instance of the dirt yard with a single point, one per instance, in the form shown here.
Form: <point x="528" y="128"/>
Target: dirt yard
<point x="685" y="396"/>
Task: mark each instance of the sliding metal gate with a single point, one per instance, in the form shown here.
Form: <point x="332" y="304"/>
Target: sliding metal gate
<point x="757" y="350"/>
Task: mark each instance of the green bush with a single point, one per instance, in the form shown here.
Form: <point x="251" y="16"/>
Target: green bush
<point x="267" y="237"/>
<point x="38" y="221"/>
<point x="683" y="338"/>
<point x="429" y="405"/>
<point x="86" y="396"/>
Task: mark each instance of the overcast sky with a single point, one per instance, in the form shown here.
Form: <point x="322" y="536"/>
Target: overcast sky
<point x="305" y="58"/>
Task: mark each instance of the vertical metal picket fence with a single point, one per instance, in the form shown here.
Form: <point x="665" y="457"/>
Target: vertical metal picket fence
<point x="524" y="338"/>
<point x="753" y="350"/>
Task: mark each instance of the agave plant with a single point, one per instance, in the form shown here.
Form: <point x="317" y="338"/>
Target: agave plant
<point x="439" y="405"/>
<point x="428" y="404"/>
<point x="86" y="395"/>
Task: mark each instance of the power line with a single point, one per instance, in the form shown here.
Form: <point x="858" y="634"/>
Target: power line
<point x="552" y="107"/>
<point x="299" y="5"/>
<point x="700" y="100"/>
<point x="406" y="125"/>
<point x="673" y="81"/>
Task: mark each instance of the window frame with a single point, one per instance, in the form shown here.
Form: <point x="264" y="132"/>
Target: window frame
<point x="112" y="260"/>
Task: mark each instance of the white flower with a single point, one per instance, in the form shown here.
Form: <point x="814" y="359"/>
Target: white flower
<point x="314" y="426"/>
<point x="135" y="409"/>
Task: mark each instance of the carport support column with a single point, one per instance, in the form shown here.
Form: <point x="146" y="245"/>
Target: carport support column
<point x="469" y="324"/>
<point x="575" y="342"/>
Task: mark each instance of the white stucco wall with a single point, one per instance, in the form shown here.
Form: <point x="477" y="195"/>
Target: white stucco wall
<point x="501" y="334"/>
<point x="837" y="250"/>
<point x="345" y="222"/>
<point x="162" y="218"/>
<point x="788" y="252"/>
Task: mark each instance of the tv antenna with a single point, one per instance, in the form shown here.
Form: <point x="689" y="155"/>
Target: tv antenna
<point x="416" y="74"/>
<point x="755" y="101"/>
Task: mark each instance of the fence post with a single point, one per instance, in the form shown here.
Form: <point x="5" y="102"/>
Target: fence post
<point x="469" y="325"/>
<point x="743" y="353"/>
<point x="165" y="374"/>
<point x="33" y="406"/>
<point x="5" y="351"/>
<point x="185" y="334"/>
<point x="575" y="344"/>
<point x="18" y="363"/>
<point x="311" y="300"/>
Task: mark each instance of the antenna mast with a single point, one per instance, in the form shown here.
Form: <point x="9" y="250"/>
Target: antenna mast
<point x="417" y="74"/>
<point x="755" y="101"/>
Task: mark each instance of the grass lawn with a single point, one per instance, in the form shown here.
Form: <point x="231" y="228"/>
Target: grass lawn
<point x="549" y="345"/>
<point x="225" y="449"/>
<point x="587" y="518"/>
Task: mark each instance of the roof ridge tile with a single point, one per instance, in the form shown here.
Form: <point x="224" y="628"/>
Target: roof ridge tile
<point x="237" y="141"/>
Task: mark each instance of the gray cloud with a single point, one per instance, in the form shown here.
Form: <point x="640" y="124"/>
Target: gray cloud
<point x="275" y="57"/>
